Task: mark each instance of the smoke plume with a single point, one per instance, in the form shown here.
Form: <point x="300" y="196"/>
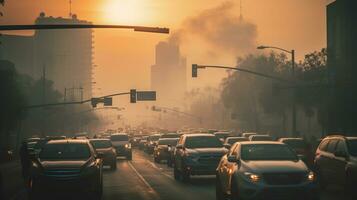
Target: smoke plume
<point x="220" y="29"/>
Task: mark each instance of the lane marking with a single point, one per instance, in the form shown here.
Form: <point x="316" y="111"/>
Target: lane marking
<point x="142" y="178"/>
<point x="161" y="170"/>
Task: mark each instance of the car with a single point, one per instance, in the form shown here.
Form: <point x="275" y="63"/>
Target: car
<point x="66" y="166"/>
<point x="170" y="135"/>
<point x="161" y="151"/>
<point x="336" y="161"/>
<point x="260" y="138"/>
<point x="142" y="142"/>
<point x="151" y="143"/>
<point x="122" y="145"/>
<point x="231" y="140"/>
<point x="302" y="148"/>
<point x="263" y="170"/>
<point x="247" y="135"/>
<point x="105" y="147"/>
<point x="222" y="135"/>
<point x="197" y="154"/>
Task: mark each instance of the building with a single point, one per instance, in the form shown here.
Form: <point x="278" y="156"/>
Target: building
<point x="342" y="65"/>
<point x="65" y="55"/>
<point x="168" y="75"/>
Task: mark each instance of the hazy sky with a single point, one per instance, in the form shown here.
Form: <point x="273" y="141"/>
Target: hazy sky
<point x="124" y="57"/>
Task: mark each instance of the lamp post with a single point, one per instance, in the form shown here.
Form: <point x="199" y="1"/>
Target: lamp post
<point x="292" y="53"/>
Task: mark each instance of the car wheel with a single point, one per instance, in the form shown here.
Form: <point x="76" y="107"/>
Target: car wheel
<point x="113" y="166"/>
<point x="129" y="157"/>
<point x="321" y="179"/>
<point x="176" y="173"/>
<point x="185" y="176"/>
<point x="169" y="163"/>
<point x="234" y="190"/>
<point x="219" y="192"/>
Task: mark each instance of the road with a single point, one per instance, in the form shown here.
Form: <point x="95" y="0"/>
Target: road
<point x="142" y="179"/>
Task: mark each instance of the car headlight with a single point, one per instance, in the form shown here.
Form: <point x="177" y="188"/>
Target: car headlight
<point x="128" y="146"/>
<point x="252" y="177"/>
<point x="169" y="148"/>
<point x="310" y="176"/>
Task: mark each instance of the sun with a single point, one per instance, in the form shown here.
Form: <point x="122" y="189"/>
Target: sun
<point x="126" y="12"/>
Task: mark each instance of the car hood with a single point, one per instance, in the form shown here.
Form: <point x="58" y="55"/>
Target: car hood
<point x="274" y="166"/>
<point x="72" y="164"/>
<point x="209" y="151"/>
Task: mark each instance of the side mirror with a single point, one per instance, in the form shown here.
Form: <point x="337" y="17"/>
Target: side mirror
<point x="232" y="158"/>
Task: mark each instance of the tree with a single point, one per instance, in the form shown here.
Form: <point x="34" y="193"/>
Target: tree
<point x="250" y="97"/>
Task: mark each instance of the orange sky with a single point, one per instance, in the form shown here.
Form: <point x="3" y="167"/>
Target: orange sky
<point x="124" y="57"/>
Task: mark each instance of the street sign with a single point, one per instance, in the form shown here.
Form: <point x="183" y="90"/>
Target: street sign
<point x="146" y="95"/>
<point x="133" y="96"/>
<point x="108" y="101"/>
<point x="194" y="70"/>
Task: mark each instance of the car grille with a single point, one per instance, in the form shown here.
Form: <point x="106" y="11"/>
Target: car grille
<point x="283" y="178"/>
<point x="63" y="174"/>
<point x="209" y="159"/>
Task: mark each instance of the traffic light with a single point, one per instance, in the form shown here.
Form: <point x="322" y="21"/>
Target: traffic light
<point x="108" y="101"/>
<point x="133" y="96"/>
<point x="194" y="70"/>
<point x="94" y="102"/>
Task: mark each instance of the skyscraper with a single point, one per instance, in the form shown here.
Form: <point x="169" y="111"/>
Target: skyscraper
<point x="65" y="55"/>
<point x="168" y="74"/>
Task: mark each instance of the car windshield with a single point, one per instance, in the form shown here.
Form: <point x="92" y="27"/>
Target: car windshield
<point x="202" y="142"/>
<point x="101" y="144"/>
<point x="295" y="144"/>
<point x="67" y="151"/>
<point x="221" y="135"/>
<point x="170" y="136"/>
<point x="119" y="138"/>
<point x="261" y="138"/>
<point x="352" y="147"/>
<point x="234" y="140"/>
<point x="267" y="152"/>
<point x="171" y="142"/>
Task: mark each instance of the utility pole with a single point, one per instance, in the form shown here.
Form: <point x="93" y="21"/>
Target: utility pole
<point x="295" y="133"/>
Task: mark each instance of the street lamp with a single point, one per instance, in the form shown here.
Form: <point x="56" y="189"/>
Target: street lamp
<point x="292" y="53"/>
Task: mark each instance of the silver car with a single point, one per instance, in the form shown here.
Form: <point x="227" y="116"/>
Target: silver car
<point x="264" y="170"/>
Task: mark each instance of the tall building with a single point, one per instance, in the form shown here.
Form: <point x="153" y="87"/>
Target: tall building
<point x="65" y="55"/>
<point x="342" y="65"/>
<point x="168" y="74"/>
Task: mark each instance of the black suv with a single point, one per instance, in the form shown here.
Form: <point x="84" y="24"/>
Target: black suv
<point x="66" y="166"/>
<point x="197" y="154"/>
<point x="336" y="161"/>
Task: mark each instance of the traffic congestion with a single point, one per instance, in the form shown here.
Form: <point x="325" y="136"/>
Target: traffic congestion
<point x="238" y="165"/>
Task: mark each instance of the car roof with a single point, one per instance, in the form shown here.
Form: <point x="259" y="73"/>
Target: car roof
<point x="199" y="134"/>
<point x="99" y="139"/>
<point x="260" y="142"/>
<point x="68" y="141"/>
<point x="119" y="134"/>
<point x="235" y="137"/>
<point x="291" y="139"/>
<point x="169" y="139"/>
